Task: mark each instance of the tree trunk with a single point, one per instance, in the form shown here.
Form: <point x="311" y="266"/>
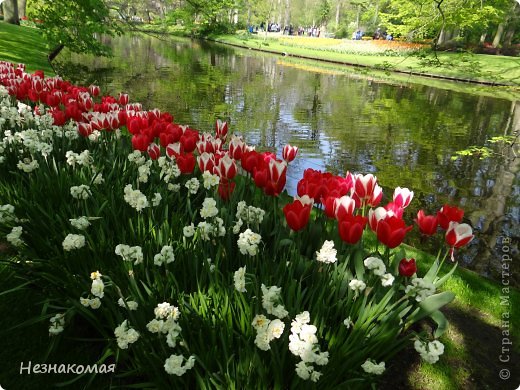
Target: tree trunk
<point x="287" y="19"/>
<point x="498" y="35"/>
<point x="338" y="10"/>
<point x="483" y="37"/>
<point x="53" y="54"/>
<point x="509" y="36"/>
<point x="376" y="14"/>
<point x="358" y="16"/>
<point x="11" y="11"/>
<point x="22" y="6"/>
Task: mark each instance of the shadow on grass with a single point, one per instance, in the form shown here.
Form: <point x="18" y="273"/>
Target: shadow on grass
<point x="473" y="349"/>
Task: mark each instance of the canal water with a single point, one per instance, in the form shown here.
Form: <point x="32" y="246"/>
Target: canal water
<point x="405" y="133"/>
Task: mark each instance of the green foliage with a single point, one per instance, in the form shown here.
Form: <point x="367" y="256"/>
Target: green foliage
<point x="77" y="25"/>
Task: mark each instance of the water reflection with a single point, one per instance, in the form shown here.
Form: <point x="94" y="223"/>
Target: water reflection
<point x="406" y="134"/>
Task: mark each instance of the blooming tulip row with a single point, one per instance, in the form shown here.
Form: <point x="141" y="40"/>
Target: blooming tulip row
<point x="176" y="191"/>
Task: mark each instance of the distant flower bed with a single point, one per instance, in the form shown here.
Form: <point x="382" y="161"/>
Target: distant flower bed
<point x="347" y="46"/>
<point x="182" y="251"/>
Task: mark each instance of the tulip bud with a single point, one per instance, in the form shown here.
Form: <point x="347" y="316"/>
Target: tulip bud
<point x="289" y="152"/>
<point x="407" y="267"/>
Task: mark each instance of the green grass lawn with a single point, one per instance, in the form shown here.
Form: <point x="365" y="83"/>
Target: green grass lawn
<point x="24" y="44"/>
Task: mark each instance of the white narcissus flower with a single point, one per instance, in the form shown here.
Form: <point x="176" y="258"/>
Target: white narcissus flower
<point x="132" y="305"/>
<point x="327" y="253"/>
<point x="27" y="165"/>
<point x="135" y="198"/>
<point x="376" y="265"/>
<point x="73" y="241"/>
<point x="239" y="278"/>
<point x="165" y="257"/>
<point x="125" y="335"/>
<point x="430" y="351"/>
<point x="173" y="365"/>
<point x="387" y="280"/>
<point x="209" y="208"/>
<point x="210" y="180"/>
<point x="14" y="236"/>
<point x="80" y="223"/>
<point x="372" y="368"/>
<point x="270" y="296"/>
<point x="248" y="242"/>
<point x="98" y="288"/>
<point x="57" y="324"/>
<point x="357" y="285"/>
<point x="192" y="185"/>
<point x="188" y="231"/>
<point x="156" y="200"/>
<point x="80" y="192"/>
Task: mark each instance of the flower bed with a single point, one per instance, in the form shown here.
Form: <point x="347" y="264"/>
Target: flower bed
<point x="361" y="47"/>
<point x="185" y="256"/>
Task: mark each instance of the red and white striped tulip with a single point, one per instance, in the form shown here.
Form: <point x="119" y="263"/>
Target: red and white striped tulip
<point x="227" y="167"/>
<point x="458" y="234"/>
<point x="206" y="162"/>
<point x="221" y="129"/>
<point x="344" y="206"/>
<point x="402" y="197"/>
<point x="289" y="152"/>
<point x="154" y="151"/>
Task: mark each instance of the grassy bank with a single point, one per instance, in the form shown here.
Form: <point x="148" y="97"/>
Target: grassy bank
<point x="458" y="66"/>
<point x="25" y="45"/>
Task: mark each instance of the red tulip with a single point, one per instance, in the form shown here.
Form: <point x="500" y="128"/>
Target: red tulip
<point x="351" y="228"/>
<point x="154" y="151"/>
<point x="375" y="197"/>
<point x="449" y="214"/>
<point x="289" y="152"/>
<point x="221" y="129"/>
<point x="206" y="162"/>
<point x="123" y="99"/>
<point x="297" y="214"/>
<point x="186" y="162"/>
<point x="364" y="186"/>
<point x="261" y="176"/>
<point x="236" y="147"/>
<point x="458" y="235"/>
<point x="329" y="206"/>
<point x="427" y="223"/>
<point x="173" y="150"/>
<point x="85" y="129"/>
<point x="140" y="142"/>
<point x="395" y="209"/>
<point x="391" y="231"/>
<point x="376" y="215"/>
<point x="407" y="267"/>
<point x="227" y="167"/>
<point x="344" y="206"/>
<point x="402" y="197"/>
<point x="226" y="188"/>
<point x="94" y="90"/>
